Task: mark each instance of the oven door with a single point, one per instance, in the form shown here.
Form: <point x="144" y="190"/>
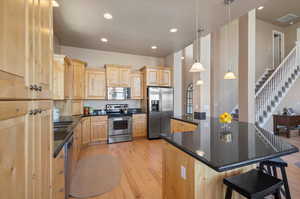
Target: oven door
<point x="119" y="126"/>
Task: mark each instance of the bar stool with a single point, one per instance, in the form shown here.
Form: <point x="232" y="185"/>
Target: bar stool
<point x="270" y="167"/>
<point x="253" y="184"/>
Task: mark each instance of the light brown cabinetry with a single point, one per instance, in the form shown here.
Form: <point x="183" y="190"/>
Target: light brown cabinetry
<point x="98" y="128"/>
<point x="25" y="49"/>
<point x="59" y="176"/>
<point x="77" y="141"/>
<point x="139" y="125"/>
<point x="180" y="126"/>
<point x="117" y="75"/>
<point x="86" y="130"/>
<point x="26" y="149"/>
<point x="74" y="79"/>
<point x="95" y="84"/>
<point x="157" y="76"/>
<point x="136" y="80"/>
<point x="58" y="77"/>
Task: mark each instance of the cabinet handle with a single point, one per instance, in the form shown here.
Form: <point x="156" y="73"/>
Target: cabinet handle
<point x="40" y="88"/>
<point x="35" y="111"/>
<point x="61" y="172"/>
<point x="61" y="190"/>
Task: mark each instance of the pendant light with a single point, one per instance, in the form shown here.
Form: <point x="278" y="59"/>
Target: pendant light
<point x="197" y="66"/>
<point x="229" y="75"/>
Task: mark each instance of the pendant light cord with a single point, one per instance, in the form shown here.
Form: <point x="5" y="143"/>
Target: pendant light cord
<point x="197" y="32"/>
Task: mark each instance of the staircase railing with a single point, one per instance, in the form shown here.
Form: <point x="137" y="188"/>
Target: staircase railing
<point x="272" y="87"/>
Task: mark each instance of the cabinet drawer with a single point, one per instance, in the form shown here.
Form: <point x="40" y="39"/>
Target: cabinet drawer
<point x="139" y="116"/>
<point x="98" y="119"/>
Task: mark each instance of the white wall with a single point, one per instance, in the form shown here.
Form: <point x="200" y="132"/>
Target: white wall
<point x="177" y="78"/>
<point x="98" y="58"/>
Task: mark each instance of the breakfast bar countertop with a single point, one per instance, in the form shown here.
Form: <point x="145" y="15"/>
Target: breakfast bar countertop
<point x="239" y="144"/>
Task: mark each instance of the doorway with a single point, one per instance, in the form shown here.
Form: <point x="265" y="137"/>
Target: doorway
<point x="278" y="48"/>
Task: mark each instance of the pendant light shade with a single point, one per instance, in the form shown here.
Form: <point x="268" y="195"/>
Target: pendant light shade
<point x="199" y="82"/>
<point x="197" y="67"/>
<point x="229" y="75"/>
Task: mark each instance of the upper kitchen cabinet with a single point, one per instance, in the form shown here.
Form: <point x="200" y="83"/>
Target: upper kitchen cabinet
<point x="136" y="81"/>
<point x="74" y="79"/>
<point x="25" y="49"/>
<point x="58" y="77"/>
<point x="157" y="76"/>
<point x="95" y="84"/>
<point x="117" y="76"/>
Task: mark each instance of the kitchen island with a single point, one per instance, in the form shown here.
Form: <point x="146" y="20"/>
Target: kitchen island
<point x="195" y="163"/>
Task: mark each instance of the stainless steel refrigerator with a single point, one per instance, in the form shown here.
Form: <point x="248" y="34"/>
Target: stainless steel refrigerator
<point x="160" y="109"/>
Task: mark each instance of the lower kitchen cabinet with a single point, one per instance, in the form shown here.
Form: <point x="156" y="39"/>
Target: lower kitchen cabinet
<point x="59" y="176"/>
<point x="98" y="128"/>
<point x="26" y="149"/>
<point x="180" y="126"/>
<point x="86" y="130"/>
<point x="77" y="141"/>
<point x="139" y="125"/>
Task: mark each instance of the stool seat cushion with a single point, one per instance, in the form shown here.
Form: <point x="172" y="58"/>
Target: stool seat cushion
<point x="253" y="184"/>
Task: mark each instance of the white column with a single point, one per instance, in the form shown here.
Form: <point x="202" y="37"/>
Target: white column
<point x="298" y="34"/>
<point x="205" y="89"/>
<point x="247" y="67"/>
<point x="177" y="78"/>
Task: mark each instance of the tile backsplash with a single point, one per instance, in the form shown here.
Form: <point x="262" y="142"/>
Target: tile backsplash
<point x="100" y="104"/>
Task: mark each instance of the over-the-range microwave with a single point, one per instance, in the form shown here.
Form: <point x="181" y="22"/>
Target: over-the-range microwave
<point x="118" y="93"/>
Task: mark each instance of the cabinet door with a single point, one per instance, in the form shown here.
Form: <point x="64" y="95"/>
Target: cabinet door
<point x="46" y="140"/>
<point x="153" y="77"/>
<point x="86" y="130"/>
<point x="15" y="179"/>
<point x="112" y="76"/>
<point x="139" y="125"/>
<point x="95" y="84"/>
<point x="98" y="129"/>
<point x="78" y="74"/>
<point x="13" y="49"/>
<point x="44" y="46"/>
<point x="124" y="80"/>
<point x="77" y="107"/>
<point x="136" y="86"/>
<point x="58" y="80"/>
<point x="59" y="176"/>
<point x="77" y="141"/>
<point x="68" y="82"/>
<point x="165" y="78"/>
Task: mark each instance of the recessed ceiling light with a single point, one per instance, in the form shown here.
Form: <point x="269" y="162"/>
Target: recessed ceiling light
<point x="104" y="40"/>
<point x="173" y="30"/>
<point x="182" y="58"/>
<point x="55" y="4"/>
<point x="291" y="23"/>
<point x="154" y="47"/>
<point x="107" y="15"/>
<point x="260" y="7"/>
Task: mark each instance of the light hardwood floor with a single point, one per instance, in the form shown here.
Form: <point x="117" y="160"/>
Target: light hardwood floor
<point x="142" y="168"/>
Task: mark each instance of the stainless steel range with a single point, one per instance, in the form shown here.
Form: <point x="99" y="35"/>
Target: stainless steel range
<point x="119" y="123"/>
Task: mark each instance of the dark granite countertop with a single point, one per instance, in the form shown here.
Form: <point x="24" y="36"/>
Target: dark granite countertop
<point x="186" y="118"/>
<point x="240" y="145"/>
<point x="62" y="134"/>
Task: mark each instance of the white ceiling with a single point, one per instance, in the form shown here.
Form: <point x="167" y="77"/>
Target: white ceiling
<point x="274" y="9"/>
<point x="139" y="24"/>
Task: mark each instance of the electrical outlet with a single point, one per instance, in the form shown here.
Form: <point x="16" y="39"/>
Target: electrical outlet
<point x="183" y="172"/>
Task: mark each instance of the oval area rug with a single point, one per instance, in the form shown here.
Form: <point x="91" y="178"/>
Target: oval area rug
<point x="95" y="175"/>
